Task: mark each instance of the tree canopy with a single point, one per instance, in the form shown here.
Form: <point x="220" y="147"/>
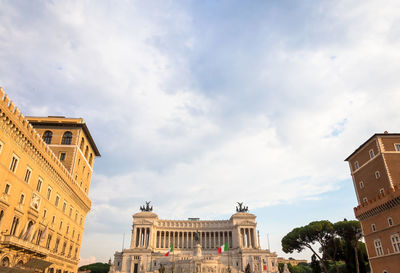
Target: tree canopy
<point x="334" y="240"/>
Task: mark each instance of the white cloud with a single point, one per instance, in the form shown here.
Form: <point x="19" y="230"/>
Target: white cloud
<point x="284" y="115"/>
<point x="85" y="261"/>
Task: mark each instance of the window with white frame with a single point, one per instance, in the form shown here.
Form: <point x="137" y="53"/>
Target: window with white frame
<point x="21" y="199"/>
<point x="378" y="247"/>
<point x="365" y="200"/>
<point x="395" y="242"/>
<point x="361" y="185"/>
<point x="49" y="189"/>
<point x="64" y="206"/>
<point x="371" y="153"/>
<point x="7" y="189"/>
<point x="396" y="146"/>
<point x="14" y="163"/>
<point x="390" y="221"/>
<point x="356" y="166"/>
<point x="27" y="174"/>
<point x="373" y="227"/>
<point x="39" y="185"/>
<point x="57" y="200"/>
<point x="382" y="191"/>
<point x="1" y="146"/>
<point x="377" y="174"/>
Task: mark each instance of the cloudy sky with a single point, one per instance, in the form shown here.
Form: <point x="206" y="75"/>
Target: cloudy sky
<point x="195" y="105"/>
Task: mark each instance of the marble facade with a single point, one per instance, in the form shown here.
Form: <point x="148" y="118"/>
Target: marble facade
<point x="152" y="237"/>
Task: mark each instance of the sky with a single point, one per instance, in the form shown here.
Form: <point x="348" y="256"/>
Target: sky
<point x="195" y="105"/>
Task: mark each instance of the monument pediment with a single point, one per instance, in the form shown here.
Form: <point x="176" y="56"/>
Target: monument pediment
<point x="143" y="222"/>
<point x="246" y="223"/>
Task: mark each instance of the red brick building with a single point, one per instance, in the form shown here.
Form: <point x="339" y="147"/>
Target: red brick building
<point x="375" y="169"/>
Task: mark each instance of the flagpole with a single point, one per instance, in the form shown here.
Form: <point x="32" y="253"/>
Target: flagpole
<point x="229" y="261"/>
<point x="173" y="259"/>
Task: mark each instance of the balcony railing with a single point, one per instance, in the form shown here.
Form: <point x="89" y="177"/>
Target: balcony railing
<point x="27" y="246"/>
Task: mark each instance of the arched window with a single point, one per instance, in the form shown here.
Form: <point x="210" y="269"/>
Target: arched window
<point x="82" y="144"/>
<point x="19" y="264"/>
<point x="5" y="262"/>
<point x="67" y="138"/>
<point x="86" y="151"/>
<point x="47" y="136"/>
<point x="90" y="159"/>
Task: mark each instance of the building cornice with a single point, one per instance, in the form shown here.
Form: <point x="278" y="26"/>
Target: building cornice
<point x="13" y="123"/>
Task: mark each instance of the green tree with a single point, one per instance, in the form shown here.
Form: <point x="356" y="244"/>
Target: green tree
<point x="350" y="232"/>
<point x="315" y="265"/>
<point x="96" y="267"/>
<point x="305" y="237"/>
<point x="280" y="267"/>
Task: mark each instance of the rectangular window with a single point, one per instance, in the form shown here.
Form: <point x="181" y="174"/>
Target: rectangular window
<point x="14" y="225"/>
<point x="7" y="189"/>
<point x="53" y="220"/>
<point x="21" y="199"/>
<point x="39" y="185"/>
<point x="76" y="216"/>
<point x="378" y="247"/>
<point x="396" y="146"/>
<point x="70" y="211"/>
<point x="371" y="153"/>
<point x="62" y="156"/>
<point x="382" y="191"/>
<point x="56" y="245"/>
<point x="49" y="193"/>
<point x="39" y="234"/>
<point x="44" y="213"/>
<point x="57" y="200"/>
<point x="365" y="200"/>
<point x="14" y="163"/>
<point x="356" y="166"/>
<point x="361" y="185"/>
<point x="1" y="146"/>
<point x="396" y="242"/>
<point x="64" y="207"/>
<point x="63" y="248"/>
<point x="373" y="227"/>
<point x="390" y="221"/>
<point x="48" y="241"/>
<point x="27" y="174"/>
<point x="61" y="224"/>
<point x="377" y="174"/>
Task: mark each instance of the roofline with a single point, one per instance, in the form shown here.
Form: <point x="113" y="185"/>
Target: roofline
<point x="375" y="135"/>
<point x="73" y="124"/>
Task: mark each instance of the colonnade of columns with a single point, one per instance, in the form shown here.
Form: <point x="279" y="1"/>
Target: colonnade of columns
<point x="247" y="238"/>
<point x="185" y="239"/>
<point x="142" y="237"/>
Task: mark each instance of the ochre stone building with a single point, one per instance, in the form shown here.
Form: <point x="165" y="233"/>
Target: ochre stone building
<point x="375" y="168"/>
<point x="195" y="246"/>
<point x="46" y="165"/>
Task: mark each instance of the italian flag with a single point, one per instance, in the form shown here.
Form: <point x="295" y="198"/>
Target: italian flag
<point x="223" y="248"/>
<point x="169" y="251"/>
